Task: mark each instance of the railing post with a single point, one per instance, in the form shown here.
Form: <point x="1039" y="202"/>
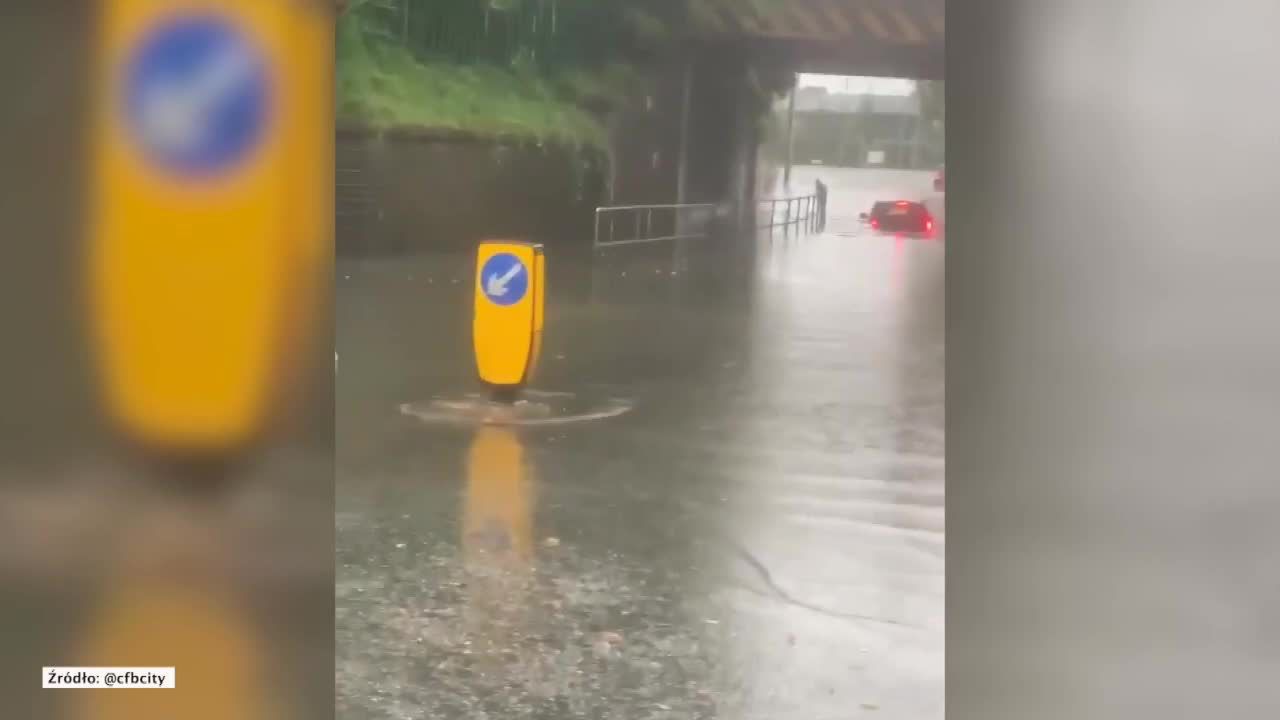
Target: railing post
<point x="675" y="244"/>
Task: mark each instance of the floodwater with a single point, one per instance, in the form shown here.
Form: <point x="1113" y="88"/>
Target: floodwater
<point x="760" y="536"/>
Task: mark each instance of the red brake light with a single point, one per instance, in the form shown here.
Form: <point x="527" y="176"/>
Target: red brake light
<point x="928" y="225"/>
<point x="875" y="223"/>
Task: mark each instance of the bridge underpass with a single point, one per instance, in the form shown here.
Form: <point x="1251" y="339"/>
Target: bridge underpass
<point x="696" y="141"/>
<point x="761" y="533"/>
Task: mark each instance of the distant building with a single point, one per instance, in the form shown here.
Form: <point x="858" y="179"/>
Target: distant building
<point x="819" y="100"/>
<point x="850" y="129"/>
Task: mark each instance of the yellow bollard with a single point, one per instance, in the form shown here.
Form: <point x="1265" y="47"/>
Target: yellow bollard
<point x="211" y="211"/>
<point x="510" y="292"/>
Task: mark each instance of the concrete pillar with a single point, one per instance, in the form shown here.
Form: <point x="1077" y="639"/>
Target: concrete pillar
<point x="682" y="224"/>
<point x="737" y="159"/>
<point x="791" y="136"/>
<point x="686" y="100"/>
<point x="743" y="156"/>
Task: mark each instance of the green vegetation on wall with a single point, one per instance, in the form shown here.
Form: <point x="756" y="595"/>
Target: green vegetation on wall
<point x="382" y="84"/>
<point x="546" y="70"/>
<point x="516" y="68"/>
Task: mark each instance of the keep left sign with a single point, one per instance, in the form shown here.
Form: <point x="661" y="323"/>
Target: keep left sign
<point x="196" y="94"/>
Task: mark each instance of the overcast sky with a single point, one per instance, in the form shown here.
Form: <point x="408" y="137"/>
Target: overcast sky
<point x="857" y="85"/>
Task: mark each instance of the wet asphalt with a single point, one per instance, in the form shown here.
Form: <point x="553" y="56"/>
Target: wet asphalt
<point x="761" y="536"/>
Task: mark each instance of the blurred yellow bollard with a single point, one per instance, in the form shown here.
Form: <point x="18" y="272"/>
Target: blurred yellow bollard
<point x="212" y="212"/>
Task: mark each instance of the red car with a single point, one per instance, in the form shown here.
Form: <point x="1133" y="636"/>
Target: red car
<point x="900" y="216"/>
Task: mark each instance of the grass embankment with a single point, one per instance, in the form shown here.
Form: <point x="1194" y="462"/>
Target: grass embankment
<point x="383" y="86"/>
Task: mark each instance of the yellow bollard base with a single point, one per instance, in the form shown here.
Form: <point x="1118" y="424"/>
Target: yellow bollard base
<point x="506" y="395"/>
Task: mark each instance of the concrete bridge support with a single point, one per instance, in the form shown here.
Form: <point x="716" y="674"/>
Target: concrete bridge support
<point x="717" y="135"/>
<point x="691" y="139"/>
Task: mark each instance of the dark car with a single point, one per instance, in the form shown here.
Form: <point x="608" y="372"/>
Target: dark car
<point x="900" y="216"/>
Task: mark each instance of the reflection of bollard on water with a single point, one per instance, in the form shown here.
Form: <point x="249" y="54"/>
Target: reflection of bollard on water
<point x="168" y="604"/>
<point x="497" y="542"/>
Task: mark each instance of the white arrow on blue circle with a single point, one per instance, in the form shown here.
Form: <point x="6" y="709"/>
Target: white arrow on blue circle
<point x="175" y="112"/>
<point x="497" y="286"/>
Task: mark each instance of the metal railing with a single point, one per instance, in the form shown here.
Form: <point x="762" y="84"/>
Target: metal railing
<point x="635" y="224"/>
<point x="807" y="211"/>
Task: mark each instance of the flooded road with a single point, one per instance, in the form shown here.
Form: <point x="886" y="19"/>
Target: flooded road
<point x="761" y="536"/>
<point x="854" y="191"/>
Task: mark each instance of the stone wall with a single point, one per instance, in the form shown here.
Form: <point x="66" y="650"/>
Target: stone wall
<point x="408" y="193"/>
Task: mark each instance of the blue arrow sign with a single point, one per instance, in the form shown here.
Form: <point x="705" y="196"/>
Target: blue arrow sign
<point x="197" y="95"/>
<point x="504" y="279"/>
